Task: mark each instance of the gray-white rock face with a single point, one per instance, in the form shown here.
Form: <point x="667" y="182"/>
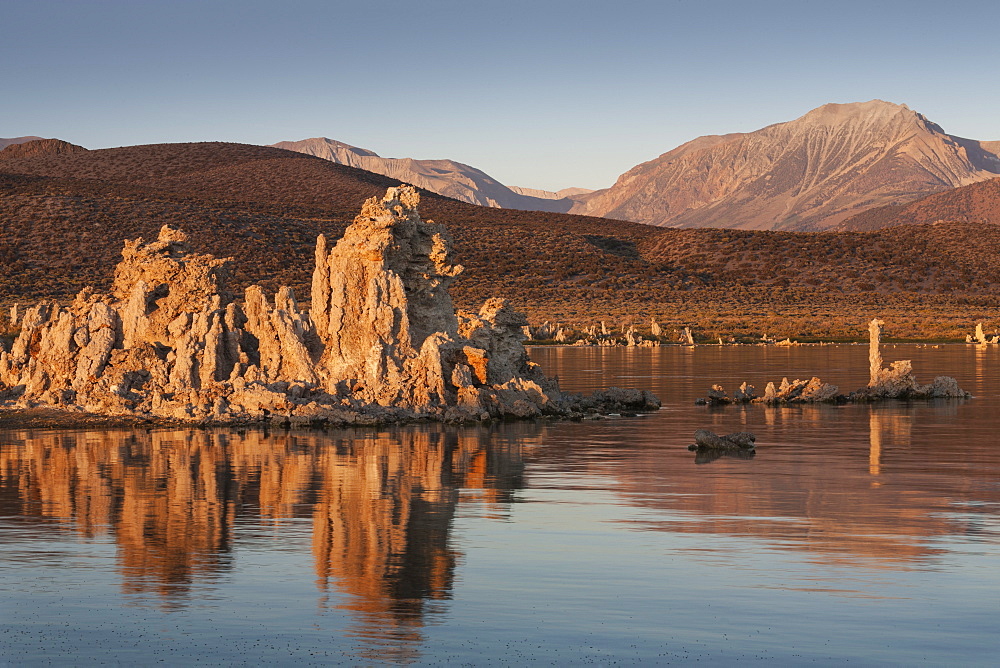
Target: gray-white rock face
<point x="382" y="341"/>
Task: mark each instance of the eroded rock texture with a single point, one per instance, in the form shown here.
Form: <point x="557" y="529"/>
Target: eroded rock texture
<point x="897" y="380"/>
<point x="893" y="382"/>
<point x="382" y="341"/>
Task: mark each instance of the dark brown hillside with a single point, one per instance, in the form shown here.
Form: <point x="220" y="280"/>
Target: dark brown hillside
<point x="934" y="259"/>
<point x="266" y="206"/>
<point x="975" y="203"/>
<point x="63" y="219"/>
<point x="39" y="147"/>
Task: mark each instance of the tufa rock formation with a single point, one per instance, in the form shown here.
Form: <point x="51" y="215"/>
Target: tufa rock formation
<point x="382" y="341"/>
<point x="710" y="446"/>
<point x="980" y="337"/>
<point x="893" y="382"/>
<point x="897" y="381"/>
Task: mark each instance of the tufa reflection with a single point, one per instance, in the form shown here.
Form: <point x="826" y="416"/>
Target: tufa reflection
<point x="381" y="504"/>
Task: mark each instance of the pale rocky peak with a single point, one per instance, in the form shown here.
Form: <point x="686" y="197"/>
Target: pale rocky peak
<point x="807" y="174"/>
<point x="836" y="113"/>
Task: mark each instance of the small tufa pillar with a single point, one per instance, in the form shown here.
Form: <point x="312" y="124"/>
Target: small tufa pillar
<point x="874" y="354"/>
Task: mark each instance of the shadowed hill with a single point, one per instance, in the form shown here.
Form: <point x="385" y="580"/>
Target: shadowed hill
<point x="976" y="203"/>
<point x="63" y="219"/>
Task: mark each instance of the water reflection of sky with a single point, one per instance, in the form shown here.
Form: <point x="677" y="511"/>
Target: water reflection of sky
<point x="563" y="542"/>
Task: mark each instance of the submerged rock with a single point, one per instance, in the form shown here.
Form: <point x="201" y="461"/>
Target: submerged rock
<point x="381" y="342"/>
<point x="707" y="440"/>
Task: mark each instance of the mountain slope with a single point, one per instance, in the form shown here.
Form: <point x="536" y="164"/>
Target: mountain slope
<point x="445" y="177"/>
<point x="977" y="203"/>
<point x="548" y="194"/>
<point x="806" y="174"/>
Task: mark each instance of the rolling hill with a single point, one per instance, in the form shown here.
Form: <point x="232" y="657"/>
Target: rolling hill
<point x="35" y="147"/>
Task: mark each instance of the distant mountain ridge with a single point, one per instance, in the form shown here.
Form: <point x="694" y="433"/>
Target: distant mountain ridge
<point x="38" y="147"/>
<point x="807" y="174"/>
<point x="444" y="177"/>
<point x="814" y="173"/>
<point x="548" y="194"/>
<point x="8" y="141"/>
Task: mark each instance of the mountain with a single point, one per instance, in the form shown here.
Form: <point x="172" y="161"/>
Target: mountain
<point x="977" y="203"/>
<point x="445" y="177"/>
<point x="63" y="217"/>
<point x="38" y="147"/>
<point x="548" y="194"/>
<point x="806" y="174"/>
<point x="4" y="143"/>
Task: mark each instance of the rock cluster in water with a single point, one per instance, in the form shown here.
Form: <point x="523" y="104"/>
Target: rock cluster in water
<point x="981" y="338"/>
<point x="893" y="382"/>
<point x="381" y="341"/>
<point x="596" y="335"/>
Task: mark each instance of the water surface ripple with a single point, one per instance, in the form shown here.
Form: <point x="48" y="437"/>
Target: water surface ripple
<point x="859" y="533"/>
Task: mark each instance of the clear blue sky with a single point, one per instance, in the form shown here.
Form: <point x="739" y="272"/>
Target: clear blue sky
<point x="538" y="94"/>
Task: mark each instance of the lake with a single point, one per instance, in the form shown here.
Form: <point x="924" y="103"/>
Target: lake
<point x="857" y="533"/>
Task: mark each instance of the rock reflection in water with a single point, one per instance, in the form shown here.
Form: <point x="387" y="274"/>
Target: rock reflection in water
<point x="709" y="456"/>
<point x="381" y="504"/>
<point x="888" y="426"/>
<point x="873" y="485"/>
<point x="383" y="516"/>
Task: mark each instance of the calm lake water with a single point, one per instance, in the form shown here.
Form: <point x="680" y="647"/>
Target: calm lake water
<point x="867" y="534"/>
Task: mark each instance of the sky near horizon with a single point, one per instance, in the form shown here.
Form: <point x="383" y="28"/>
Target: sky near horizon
<point x="542" y="94"/>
